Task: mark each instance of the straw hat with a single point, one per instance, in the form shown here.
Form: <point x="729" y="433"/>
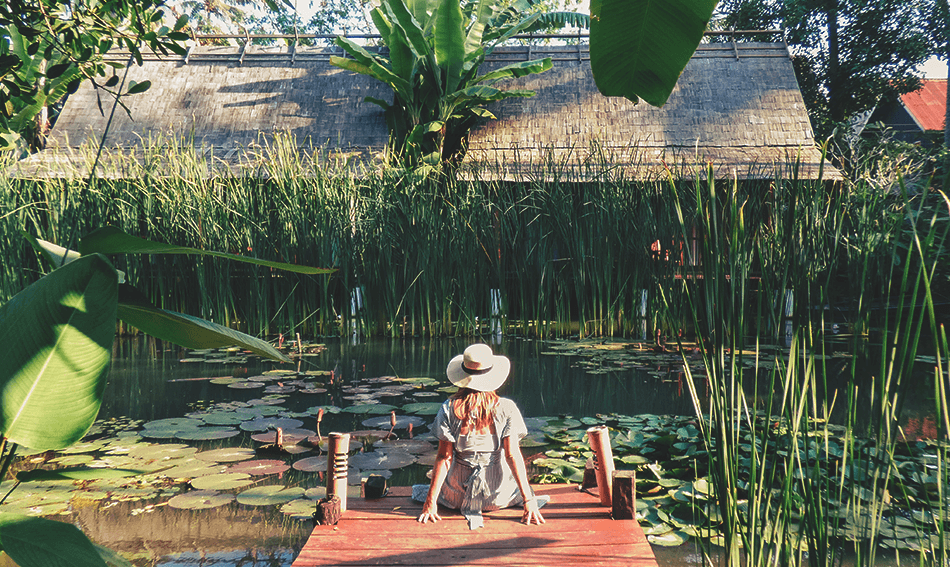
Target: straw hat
<point x="477" y="368"/>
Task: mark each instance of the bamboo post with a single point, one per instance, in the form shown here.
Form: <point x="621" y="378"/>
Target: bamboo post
<point x="337" y="466"/>
<point x="599" y="439"/>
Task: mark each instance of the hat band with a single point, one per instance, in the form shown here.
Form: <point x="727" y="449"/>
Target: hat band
<point x="468" y="370"/>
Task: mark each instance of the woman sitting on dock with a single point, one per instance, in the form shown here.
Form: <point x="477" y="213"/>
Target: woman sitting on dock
<point x="479" y="466"/>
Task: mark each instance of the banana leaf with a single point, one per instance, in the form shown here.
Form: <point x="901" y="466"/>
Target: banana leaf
<point x="110" y="240"/>
<point x="516" y="70"/>
<point x="38" y="542"/>
<point x="185" y="330"/>
<point x="56" y="343"/>
<point x="449" y="43"/>
<point x="639" y="48"/>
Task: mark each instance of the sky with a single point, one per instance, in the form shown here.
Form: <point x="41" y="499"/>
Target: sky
<point x="934" y="69"/>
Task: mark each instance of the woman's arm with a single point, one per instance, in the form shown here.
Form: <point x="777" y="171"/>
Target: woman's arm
<point x="430" y="510"/>
<point x="516" y="462"/>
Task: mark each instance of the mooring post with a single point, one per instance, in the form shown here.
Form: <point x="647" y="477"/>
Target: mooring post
<point x="337" y="466"/>
<point x="599" y="439"/>
<point x="624" y="488"/>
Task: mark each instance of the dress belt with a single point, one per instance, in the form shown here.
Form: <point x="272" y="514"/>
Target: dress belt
<point x="477" y="491"/>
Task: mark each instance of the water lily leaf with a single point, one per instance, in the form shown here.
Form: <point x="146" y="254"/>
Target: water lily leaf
<point x="269" y="495"/>
<point x="402" y="421"/>
<point x="414" y="446"/>
<point x="370" y="408"/>
<point x="312" y="464"/>
<point x="208" y="433"/>
<point x="56" y="345"/>
<point x="671" y="539"/>
<point x="88" y="447"/>
<point x="200" y="500"/>
<point x="265" y="423"/>
<point x="192" y="468"/>
<point x="421" y="381"/>
<point x="158" y="451"/>
<point x="392" y="459"/>
<point x="291" y="436"/>
<point x="422" y="408"/>
<point x="326" y="409"/>
<point x="227" y="455"/>
<point x="223" y="481"/>
<point x="221" y="418"/>
<point x="45" y="543"/>
<point x="76" y="473"/>
<point x="299" y="509"/>
<point x="245" y="385"/>
<point x="224" y="381"/>
<point x="260" y="467"/>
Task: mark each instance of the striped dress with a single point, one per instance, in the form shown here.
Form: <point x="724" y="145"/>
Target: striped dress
<point x="479" y="477"/>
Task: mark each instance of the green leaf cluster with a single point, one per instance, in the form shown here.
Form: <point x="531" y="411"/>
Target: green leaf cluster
<point x="48" y="47"/>
<point x="434" y="51"/>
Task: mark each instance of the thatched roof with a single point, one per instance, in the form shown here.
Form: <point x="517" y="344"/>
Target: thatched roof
<point x="736" y="106"/>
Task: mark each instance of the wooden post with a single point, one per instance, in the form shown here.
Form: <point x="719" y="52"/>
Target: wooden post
<point x="590" y="475"/>
<point x="599" y="439"/>
<point x="624" y="495"/>
<point x="328" y="511"/>
<point x="337" y="466"/>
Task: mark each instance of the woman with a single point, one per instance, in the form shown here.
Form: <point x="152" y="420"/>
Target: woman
<point x="479" y="465"/>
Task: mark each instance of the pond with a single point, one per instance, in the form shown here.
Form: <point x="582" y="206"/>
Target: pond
<point x="151" y="381"/>
<point x="198" y="415"/>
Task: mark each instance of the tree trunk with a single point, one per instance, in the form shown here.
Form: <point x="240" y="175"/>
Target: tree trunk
<point x="835" y="82"/>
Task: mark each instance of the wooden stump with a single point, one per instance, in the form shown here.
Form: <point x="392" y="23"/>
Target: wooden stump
<point x="590" y="475"/>
<point x="624" y="495"/>
<point x="328" y="511"/>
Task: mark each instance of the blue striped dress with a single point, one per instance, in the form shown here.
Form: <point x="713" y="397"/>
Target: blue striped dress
<point x="479" y="477"/>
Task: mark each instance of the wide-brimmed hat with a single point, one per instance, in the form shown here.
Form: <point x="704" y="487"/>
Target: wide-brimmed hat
<point x="479" y="369"/>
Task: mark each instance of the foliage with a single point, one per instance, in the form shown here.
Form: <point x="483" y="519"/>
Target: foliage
<point x="48" y="47"/>
<point x="850" y="53"/>
<point x="435" y="49"/>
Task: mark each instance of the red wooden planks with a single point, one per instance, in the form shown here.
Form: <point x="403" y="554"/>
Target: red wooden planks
<point x="384" y="532"/>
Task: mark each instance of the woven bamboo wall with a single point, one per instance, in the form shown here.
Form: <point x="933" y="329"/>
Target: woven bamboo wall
<point x="736" y="106"/>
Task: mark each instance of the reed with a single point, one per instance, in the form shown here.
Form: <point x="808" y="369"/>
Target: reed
<point x="805" y="464"/>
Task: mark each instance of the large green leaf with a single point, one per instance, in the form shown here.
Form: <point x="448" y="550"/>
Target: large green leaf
<point x="638" y="48"/>
<point x="449" y="42"/>
<point x="185" y="330"/>
<point x="110" y="240"/>
<point x="516" y="70"/>
<point x="56" y="345"/>
<point x="38" y="542"/>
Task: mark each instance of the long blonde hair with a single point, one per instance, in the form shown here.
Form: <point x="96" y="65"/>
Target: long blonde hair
<point x="475" y="408"/>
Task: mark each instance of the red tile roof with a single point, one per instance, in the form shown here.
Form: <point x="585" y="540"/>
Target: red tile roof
<point x="928" y="105"/>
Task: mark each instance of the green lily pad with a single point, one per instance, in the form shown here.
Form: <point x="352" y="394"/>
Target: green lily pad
<point x="221" y="418"/>
<point x="208" y="433"/>
<point x="422" y="408"/>
<point x="227" y="455"/>
<point x="375" y="409"/>
<point x="224" y="381"/>
<point x="260" y="467"/>
<point x="326" y="409"/>
<point x="265" y="423"/>
<point x="671" y="539"/>
<point x="402" y="421"/>
<point x="161" y="451"/>
<point x="393" y="459"/>
<point x="414" y="446"/>
<point x="75" y="473"/>
<point x="269" y="495"/>
<point x="223" y="481"/>
<point x="290" y="436"/>
<point x="299" y="509"/>
<point x="200" y="500"/>
<point x="245" y="385"/>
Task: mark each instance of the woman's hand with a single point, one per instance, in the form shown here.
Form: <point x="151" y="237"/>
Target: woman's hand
<point x="429" y="514"/>
<point x="531" y="512"/>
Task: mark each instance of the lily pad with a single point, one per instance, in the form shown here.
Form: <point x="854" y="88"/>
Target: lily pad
<point x="394" y="459"/>
<point x="374" y="409"/>
<point x="290" y="436"/>
<point x="246" y="385"/>
<point x="208" y="433"/>
<point x="227" y="455"/>
<point x="223" y="481"/>
<point x="269" y="495"/>
<point x="312" y="464"/>
<point x="265" y="423"/>
<point x="260" y="467"/>
<point x="402" y="421"/>
<point x="422" y="408"/>
<point x="200" y="500"/>
<point x="221" y="418"/>
<point x="299" y="509"/>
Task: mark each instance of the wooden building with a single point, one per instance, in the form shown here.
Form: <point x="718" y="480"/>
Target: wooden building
<point x="736" y="106"/>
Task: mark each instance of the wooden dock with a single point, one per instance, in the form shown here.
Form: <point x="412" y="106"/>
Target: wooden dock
<point x="578" y="532"/>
